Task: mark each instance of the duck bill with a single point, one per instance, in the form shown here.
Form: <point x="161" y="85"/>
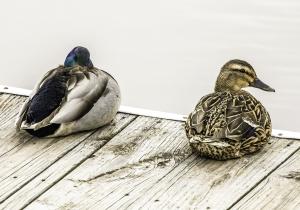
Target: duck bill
<point x="257" y="83"/>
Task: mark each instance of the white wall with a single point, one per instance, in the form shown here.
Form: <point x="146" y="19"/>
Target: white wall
<point x="165" y="53"/>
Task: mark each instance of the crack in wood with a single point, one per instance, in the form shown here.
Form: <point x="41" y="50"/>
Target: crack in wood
<point x="79" y="163"/>
<point x="262" y="179"/>
<point x="292" y="175"/>
<point x="158" y="160"/>
<point x="149" y="160"/>
<point x="221" y="180"/>
<point x="126" y="148"/>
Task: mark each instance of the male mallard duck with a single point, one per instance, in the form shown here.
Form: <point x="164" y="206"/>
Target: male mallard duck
<point x="70" y="98"/>
<point x="230" y="122"/>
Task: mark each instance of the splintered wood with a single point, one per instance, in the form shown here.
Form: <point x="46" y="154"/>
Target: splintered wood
<point x="138" y="162"/>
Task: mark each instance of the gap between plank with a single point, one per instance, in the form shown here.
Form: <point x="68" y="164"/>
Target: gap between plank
<point x="177" y="178"/>
<point x="265" y="177"/>
<point x="29" y="139"/>
<point x="25" y="183"/>
<point x="75" y="166"/>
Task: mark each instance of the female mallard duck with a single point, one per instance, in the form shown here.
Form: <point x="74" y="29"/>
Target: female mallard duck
<point x="70" y="98"/>
<point x="230" y="122"/>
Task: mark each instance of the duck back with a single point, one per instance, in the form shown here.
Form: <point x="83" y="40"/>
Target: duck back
<point x="47" y="98"/>
<point x="228" y="124"/>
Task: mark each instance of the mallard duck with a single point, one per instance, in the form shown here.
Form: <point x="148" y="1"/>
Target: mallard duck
<point x="70" y="98"/>
<point x="230" y="122"/>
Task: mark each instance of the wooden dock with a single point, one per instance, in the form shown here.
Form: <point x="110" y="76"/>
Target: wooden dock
<point x="138" y="162"/>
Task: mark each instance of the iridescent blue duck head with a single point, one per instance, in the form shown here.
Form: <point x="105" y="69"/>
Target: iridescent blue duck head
<point x="79" y="56"/>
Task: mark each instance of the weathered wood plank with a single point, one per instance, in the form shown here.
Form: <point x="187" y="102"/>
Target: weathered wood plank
<point x="281" y="190"/>
<point x="26" y="159"/>
<point x="59" y="169"/>
<point x="210" y="184"/>
<point x="150" y="165"/>
<point x="135" y="151"/>
<point x="9" y="108"/>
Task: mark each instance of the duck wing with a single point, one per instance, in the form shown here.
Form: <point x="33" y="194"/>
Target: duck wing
<point x="245" y="114"/>
<point x="85" y="87"/>
<point x="209" y="117"/>
<point x="65" y="95"/>
<point x="36" y="94"/>
<point x="226" y="116"/>
<point x="108" y="74"/>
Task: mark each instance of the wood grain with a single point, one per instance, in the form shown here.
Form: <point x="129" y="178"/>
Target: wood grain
<point x="9" y="108"/>
<point x="67" y="163"/>
<point x="138" y="163"/>
<point x="150" y="165"/>
<point x="24" y="157"/>
<point x="280" y="190"/>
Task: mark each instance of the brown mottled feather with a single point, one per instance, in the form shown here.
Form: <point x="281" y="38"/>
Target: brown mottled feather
<point x="225" y="117"/>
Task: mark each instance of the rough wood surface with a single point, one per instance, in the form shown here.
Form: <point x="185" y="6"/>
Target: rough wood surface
<point x="24" y="160"/>
<point x="9" y="108"/>
<point x="138" y="162"/>
<point x="67" y="163"/>
<point x="281" y="190"/>
<point x="150" y="165"/>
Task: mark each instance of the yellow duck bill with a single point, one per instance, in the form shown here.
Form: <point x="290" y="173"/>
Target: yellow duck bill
<point x="257" y="83"/>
